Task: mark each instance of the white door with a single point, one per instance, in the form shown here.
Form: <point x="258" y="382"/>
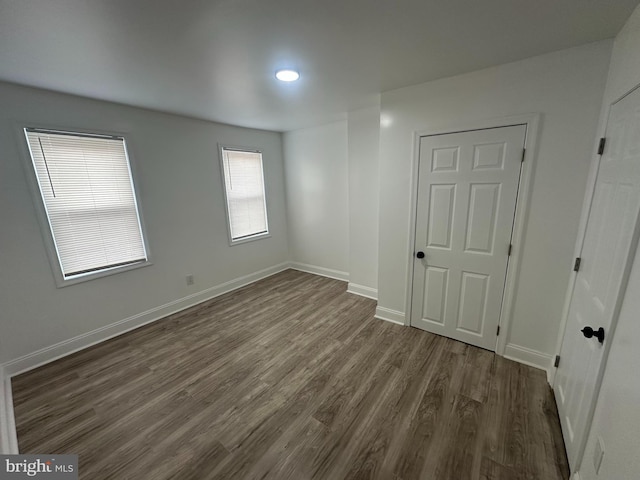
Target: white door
<point x="467" y="189"/>
<point x="603" y="271"/>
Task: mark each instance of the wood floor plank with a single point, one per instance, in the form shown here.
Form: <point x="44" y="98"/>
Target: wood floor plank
<point x="422" y="427"/>
<point x="490" y="470"/>
<point x="477" y="373"/>
<point x="290" y="378"/>
<point x="292" y="455"/>
<point x="352" y="425"/>
<point x="395" y="409"/>
<point x="499" y="403"/>
<point x="457" y="456"/>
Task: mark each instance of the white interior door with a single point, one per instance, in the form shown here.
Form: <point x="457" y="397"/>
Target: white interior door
<point x="467" y="190"/>
<point x="605" y="261"/>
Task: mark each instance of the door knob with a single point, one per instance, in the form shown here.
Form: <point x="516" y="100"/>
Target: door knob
<point x="590" y="332"/>
<point x="420" y="254"/>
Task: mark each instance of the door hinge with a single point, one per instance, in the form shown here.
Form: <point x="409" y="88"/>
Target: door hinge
<point x="524" y="151"/>
<point x="510" y="249"/>
<point x="601" y="145"/>
<point x="576" y="264"/>
<point x="556" y="362"/>
<point x="498" y="331"/>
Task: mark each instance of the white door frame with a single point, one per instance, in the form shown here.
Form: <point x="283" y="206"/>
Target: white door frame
<point x="532" y="122"/>
<point x="582" y="232"/>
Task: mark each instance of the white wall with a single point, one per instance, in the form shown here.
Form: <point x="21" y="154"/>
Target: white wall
<point x="566" y="87"/>
<point x="317" y="198"/>
<point x="617" y="414"/>
<point x="364" y="137"/>
<point x="177" y="176"/>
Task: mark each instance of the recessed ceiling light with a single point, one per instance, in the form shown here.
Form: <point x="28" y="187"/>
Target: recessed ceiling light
<point x="287" y="75"/>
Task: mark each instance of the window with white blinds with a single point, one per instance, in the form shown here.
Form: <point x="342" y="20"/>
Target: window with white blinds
<point x="88" y="195"/>
<point x="244" y="188"/>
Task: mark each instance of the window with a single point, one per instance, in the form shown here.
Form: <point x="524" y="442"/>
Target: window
<point x="90" y="204"/>
<point x="244" y="189"/>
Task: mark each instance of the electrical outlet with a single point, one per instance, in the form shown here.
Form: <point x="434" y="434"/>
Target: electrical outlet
<point x="190" y="280"/>
<point x="598" y="453"/>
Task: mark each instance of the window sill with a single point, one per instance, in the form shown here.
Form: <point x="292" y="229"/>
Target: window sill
<point x="252" y="238"/>
<point x="66" y="282"/>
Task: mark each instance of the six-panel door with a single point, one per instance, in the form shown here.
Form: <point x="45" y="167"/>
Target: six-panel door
<point x="599" y="284"/>
<point x="467" y="190"/>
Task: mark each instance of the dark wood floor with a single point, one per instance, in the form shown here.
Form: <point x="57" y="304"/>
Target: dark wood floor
<point x="290" y="378"/>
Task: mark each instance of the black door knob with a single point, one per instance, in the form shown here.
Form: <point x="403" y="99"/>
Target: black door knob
<point x="420" y="254"/>
<point x="590" y="332"/>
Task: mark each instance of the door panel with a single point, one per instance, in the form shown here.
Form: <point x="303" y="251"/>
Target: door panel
<point x="473" y="300"/>
<point x="605" y="255"/>
<point x="441" y="215"/>
<point x="435" y="298"/>
<point x="467" y="189"/>
<point x="445" y="160"/>
<point x="489" y="156"/>
<point x="483" y="206"/>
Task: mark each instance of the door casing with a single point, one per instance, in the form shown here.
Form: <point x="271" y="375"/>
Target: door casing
<point x="532" y="122"/>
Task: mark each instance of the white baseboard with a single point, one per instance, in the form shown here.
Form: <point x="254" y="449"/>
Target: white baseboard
<point x="8" y="438"/>
<point x="67" y="347"/>
<point x="363" y="291"/>
<point x="530" y="357"/>
<point x="551" y="374"/>
<point x="325" y="272"/>
<point x="393" y="316"/>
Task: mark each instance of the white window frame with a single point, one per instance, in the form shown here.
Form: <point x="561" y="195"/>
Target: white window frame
<point x="257" y="236"/>
<point x="43" y="218"/>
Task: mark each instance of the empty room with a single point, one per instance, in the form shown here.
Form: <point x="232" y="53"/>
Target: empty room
<point x="330" y="240"/>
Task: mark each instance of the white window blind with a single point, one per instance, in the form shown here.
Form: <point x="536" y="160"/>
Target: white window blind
<point x="88" y="195"/>
<point x="244" y="186"/>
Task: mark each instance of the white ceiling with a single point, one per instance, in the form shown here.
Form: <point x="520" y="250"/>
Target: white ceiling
<point x="215" y="59"/>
